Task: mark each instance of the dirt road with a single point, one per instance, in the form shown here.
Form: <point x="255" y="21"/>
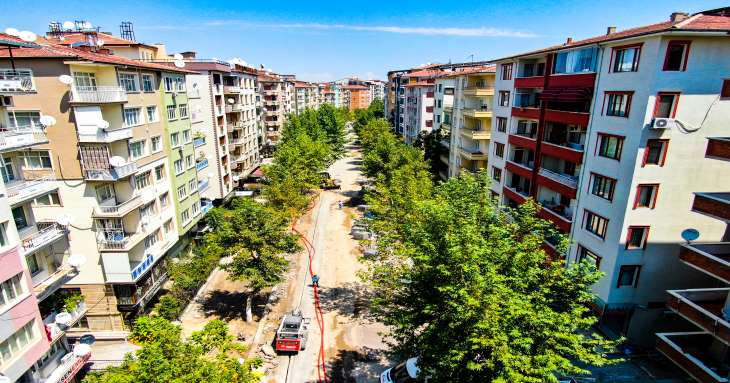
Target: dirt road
<point x="353" y="346"/>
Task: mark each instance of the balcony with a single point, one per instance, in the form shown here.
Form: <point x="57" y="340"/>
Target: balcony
<point x="474" y="154"/>
<point x="478" y="91"/>
<point x="691" y="351"/>
<point x="520" y="168"/>
<point x="38" y="236"/>
<point x="531" y="112"/>
<point x="231" y="89"/>
<point x="105" y="135"/>
<point x="16" y="138"/>
<point x="711" y="258"/>
<point x="477" y="111"/>
<point x="576" y="80"/>
<point x="113" y="209"/>
<point x="714" y="204"/>
<point x="200" y="165"/>
<point x="34" y="185"/>
<point x="704" y="308"/>
<point x="563" y="179"/>
<point x="98" y="94"/>
<point x="557" y="214"/>
<point x="519" y="196"/>
<point x="718" y="147"/>
<point x="117" y="240"/>
<point x="480" y="134"/>
<point x="66" y="370"/>
<point x="198" y="142"/>
<point x="145" y="291"/>
<point x="569" y="152"/>
<point x="566" y="117"/>
<point x="530" y="82"/>
<point x="16" y="81"/>
<point x="53" y="282"/>
<point x="110" y="173"/>
<point x="67" y="319"/>
<point x="523" y="141"/>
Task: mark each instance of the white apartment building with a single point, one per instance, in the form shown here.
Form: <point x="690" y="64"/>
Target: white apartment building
<point x="243" y="120"/>
<point x="276" y="101"/>
<point x="419" y="103"/>
<point x="444" y="114"/>
<point x="606" y="134"/>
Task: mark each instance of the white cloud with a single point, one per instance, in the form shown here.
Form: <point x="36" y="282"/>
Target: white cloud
<point x="425" y="31"/>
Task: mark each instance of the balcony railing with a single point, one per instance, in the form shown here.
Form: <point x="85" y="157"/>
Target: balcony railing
<point x="200" y="165"/>
<point x="106" y="136"/>
<point x="57" y="330"/>
<point x="564" y="179"/>
<point x="691" y="351"/>
<point x="98" y="94"/>
<point x="114" y="239"/>
<point x="120" y="209"/>
<point x="70" y="365"/>
<point x="110" y="174"/>
<point x="53" y="282"/>
<point x="14" y="138"/>
<point x="203" y="185"/>
<point x="198" y="142"/>
<point x="231" y="89"/>
<point x="711" y="258"/>
<point x="703" y="307"/>
<point x="32" y="186"/>
<point x="40" y="235"/>
<point x="16" y="81"/>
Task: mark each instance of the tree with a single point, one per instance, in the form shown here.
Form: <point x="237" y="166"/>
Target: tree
<point x="432" y="147"/>
<point x="333" y="124"/>
<point x="209" y="356"/>
<point x="466" y="286"/>
<point x="168" y="307"/>
<point x="256" y="237"/>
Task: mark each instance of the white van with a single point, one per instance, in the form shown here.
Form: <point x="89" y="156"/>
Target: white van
<point x="405" y="372"/>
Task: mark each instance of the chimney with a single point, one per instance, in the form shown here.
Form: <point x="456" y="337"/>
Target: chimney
<point x="569" y="41"/>
<point x="676" y="17"/>
<point x="188" y="54"/>
<point x="610" y="30"/>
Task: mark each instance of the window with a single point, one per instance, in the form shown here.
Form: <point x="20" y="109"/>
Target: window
<point x="677" y="55"/>
<point x="501" y="124"/>
<point x="585" y="254"/>
<point x="499" y="149"/>
<point x="84" y="80"/>
<point x="147" y="210"/>
<point x="21" y="221"/>
<point x="666" y="105"/>
<point x="603" y="186"/>
<point x="169" y="84"/>
<point x="164" y="200"/>
<point x="185" y="216"/>
<point x="193" y="185"/>
<point x="182" y="193"/>
<point x="503" y="98"/>
<point x="196" y="208"/>
<point x="137" y="149"/>
<point x="507" y="71"/>
<point x="655" y="152"/>
<point x="39" y="159"/>
<point x="183" y="110"/>
<point x="646" y="195"/>
<point x="104" y="192"/>
<point x="152" y="114"/>
<point x="128" y="81"/>
<point x="3" y="235"/>
<point x="32" y="264"/>
<point x="11" y="289"/>
<point x="131" y="117"/>
<point x="50" y="199"/>
<point x="175" y="139"/>
<point x="159" y="173"/>
<point x="496" y="173"/>
<point x="179" y="84"/>
<point x="187" y="138"/>
<point x="171" y="112"/>
<point x="626" y="59"/>
<point x="628" y="276"/>
<point x="725" y="91"/>
<point x="168" y="226"/>
<point x="576" y="61"/>
<point x="636" y="237"/>
<point x="148" y="83"/>
<point x="24" y="119"/>
<point x="142" y="180"/>
<point x="618" y="103"/>
<point x="610" y="146"/>
<point x="595" y="224"/>
<point x="156" y="144"/>
<point x="189" y="161"/>
<point x="152" y="239"/>
<point x="178" y="165"/>
<point x="16" y="343"/>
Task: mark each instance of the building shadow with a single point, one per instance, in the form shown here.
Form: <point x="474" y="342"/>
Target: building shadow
<point x="229" y="305"/>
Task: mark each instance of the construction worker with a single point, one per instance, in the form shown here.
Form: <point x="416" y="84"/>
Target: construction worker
<point x="315" y="280"/>
<point x="339" y="205"/>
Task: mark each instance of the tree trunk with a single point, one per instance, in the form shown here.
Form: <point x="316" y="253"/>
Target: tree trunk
<point x="249" y="313"/>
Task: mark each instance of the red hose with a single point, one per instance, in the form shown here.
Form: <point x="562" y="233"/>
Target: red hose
<point x="321" y="365"/>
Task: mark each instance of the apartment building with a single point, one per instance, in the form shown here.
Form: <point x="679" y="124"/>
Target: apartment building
<point x="356" y="96"/>
<point x="307" y="96"/>
<point x="395" y="100"/>
<point x="243" y="119"/>
<point x="419" y="103"/>
<point x="273" y="89"/>
<point x="105" y="191"/>
<point x="606" y="133"/>
<point x="376" y="89"/>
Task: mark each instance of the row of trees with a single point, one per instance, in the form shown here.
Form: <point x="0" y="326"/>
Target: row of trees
<point x="253" y="238"/>
<point x="465" y="284"/>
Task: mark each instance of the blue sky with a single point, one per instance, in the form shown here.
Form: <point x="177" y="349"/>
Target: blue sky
<point x="327" y="40"/>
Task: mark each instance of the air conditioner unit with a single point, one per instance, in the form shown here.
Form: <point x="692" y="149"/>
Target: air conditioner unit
<point x="6" y="101"/>
<point x="663" y="123"/>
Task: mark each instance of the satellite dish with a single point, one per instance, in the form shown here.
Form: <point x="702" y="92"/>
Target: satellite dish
<point x="65" y="79"/>
<point x="63" y="319"/>
<point x="12" y="32"/>
<point x="103" y="124"/>
<point x="177" y="56"/>
<point x="82" y="349"/>
<point x="27" y="36"/>
<point x="690" y="234"/>
<point x="100" y="43"/>
<point x="117" y="161"/>
<point x="76" y="260"/>
<point x="87" y="25"/>
<point x="179" y="63"/>
<point x="63" y="220"/>
<point x="48" y="120"/>
<point x="231" y="101"/>
<point x="68" y="25"/>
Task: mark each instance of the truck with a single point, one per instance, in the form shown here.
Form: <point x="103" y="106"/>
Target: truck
<point x="292" y="333"/>
<point x="329" y="183"/>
